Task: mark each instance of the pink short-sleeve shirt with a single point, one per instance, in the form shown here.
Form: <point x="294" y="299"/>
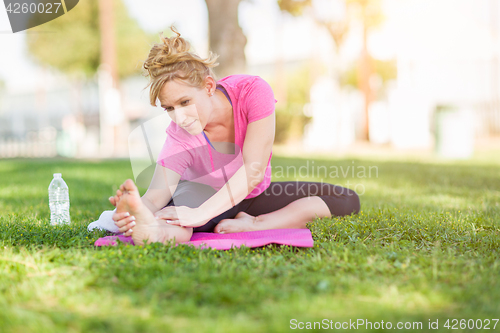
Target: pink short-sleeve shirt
<point x="192" y="157"/>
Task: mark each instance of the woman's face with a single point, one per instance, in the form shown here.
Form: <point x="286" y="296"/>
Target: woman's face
<point x="189" y="107"/>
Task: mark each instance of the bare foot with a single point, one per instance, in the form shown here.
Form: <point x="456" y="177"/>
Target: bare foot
<point x="114" y="199"/>
<point x="147" y="229"/>
<point x="241" y="222"/>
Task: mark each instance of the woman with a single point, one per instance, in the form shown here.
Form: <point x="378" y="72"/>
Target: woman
<point x="214" y="171"/>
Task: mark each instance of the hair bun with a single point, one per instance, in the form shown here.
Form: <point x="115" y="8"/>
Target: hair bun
<point x="175" y="45"/>
<point x="172" y="59"/>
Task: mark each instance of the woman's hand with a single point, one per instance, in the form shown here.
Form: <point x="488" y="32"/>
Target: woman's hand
<point x="182" y="216"/>
<point x="125" y="222"/>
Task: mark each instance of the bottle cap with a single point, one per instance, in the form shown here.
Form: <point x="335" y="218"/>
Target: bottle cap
<point x="57" y="175"/>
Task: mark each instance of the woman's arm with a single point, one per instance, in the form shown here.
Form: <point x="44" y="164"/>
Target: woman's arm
<point x="158" y="195"/>
<point x="256" y="152"/>
<point x="161" y="188"/>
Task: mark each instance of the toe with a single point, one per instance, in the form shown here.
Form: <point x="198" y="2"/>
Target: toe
<point x="218" y="231"/>
<point x="130" y="186"/>
<point x="219" y="228"/>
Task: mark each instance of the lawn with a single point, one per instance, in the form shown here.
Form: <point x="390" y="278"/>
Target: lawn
<point x="424" y="248"/>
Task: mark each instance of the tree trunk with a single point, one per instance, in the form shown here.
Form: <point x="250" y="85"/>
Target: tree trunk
<point x="112" y="140"/>
<point x="226" y="37"/>
<point x="108" y="41"/>
<point x="365" y="71"/>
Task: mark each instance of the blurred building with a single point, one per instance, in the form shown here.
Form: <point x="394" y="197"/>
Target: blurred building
<point x="448" y="83"/>
<point x="447" y="54"/>
<point x="447" y="89"/>
<point x="63" y="119"/>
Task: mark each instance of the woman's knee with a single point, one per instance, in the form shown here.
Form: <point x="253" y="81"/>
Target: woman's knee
<point x="344" y="203"/>
<point x="353" y="202"/>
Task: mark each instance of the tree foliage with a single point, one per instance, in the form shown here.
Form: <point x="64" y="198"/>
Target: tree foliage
<point x="386" y="70"/>
<point x="368" y="11"/>
<point x="294" y="7"/>
<point x="71" y="43"/>
<point x="290" y="117"/>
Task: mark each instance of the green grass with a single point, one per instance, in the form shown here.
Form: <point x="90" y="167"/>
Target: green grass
<point x="424" y="247"/>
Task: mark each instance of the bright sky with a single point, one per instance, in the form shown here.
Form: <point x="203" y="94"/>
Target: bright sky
<point x="265" y="40"/>
<point x="410" y="27"/>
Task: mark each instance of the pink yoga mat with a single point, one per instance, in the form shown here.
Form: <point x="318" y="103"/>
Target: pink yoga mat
<point x="293" y="237"/>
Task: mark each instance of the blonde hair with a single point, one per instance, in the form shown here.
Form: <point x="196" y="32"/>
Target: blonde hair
<point x="172" y="60"/>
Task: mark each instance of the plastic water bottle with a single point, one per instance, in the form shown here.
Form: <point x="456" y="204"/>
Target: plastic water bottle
<point x="58" y="201"/>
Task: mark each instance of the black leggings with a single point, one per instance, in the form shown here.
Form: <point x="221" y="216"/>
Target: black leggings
<point x="340" y="200"/>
